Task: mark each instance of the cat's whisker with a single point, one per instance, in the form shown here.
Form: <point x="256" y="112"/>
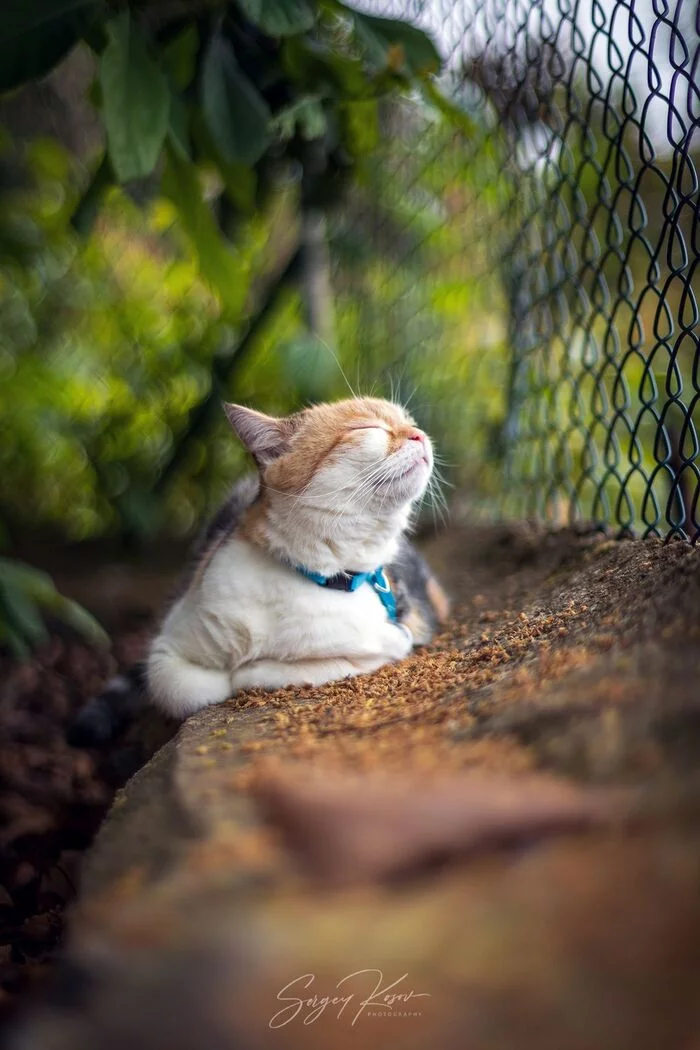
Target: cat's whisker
<point x="367" y="486"/>
<point x="393" y="391"/>
<point x="355" y="493"/>
<point x="440" y="462"/>
<point x="438" y="505"/>
<point x="436" y="484"/>
<point x="299" y="496"/>
<point x="404" y="404"/>
<point x="335" y="357"/>
<point x="358" y="384"/>
<point x="329" y="494"/>
<point x="365" y="489"/>
<point x="441" y="481"/>
<point x="437" y="509"/>
<point x="438" y="500"/>
<point x="363" y="478"/>
<point x="408" y="405"/>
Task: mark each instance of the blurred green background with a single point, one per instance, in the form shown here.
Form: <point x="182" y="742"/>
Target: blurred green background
<point x="280" y="202"/>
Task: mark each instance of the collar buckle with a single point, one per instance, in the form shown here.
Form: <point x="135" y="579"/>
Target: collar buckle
<point x="351" y="581"/>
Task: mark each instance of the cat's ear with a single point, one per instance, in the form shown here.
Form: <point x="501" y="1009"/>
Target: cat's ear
<point x="265" y="437"/>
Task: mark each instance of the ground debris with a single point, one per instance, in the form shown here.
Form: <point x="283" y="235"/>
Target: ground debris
<point x="571" y="659"/>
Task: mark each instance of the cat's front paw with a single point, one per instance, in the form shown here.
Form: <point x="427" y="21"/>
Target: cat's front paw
<point x="399" y="641"/>
<point x="408" y="634"/>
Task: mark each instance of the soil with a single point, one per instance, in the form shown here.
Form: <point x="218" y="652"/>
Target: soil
<point x="569" y="653"/>
<point x="52" y="796"/>
<point x="574" y="653"/>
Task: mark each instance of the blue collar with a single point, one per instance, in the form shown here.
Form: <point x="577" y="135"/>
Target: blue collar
<point x="350" y="581"/>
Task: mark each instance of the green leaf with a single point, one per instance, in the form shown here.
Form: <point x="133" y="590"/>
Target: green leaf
<point x="136" y="101"/>
<point x="306" y="114"/>
<point x="139" y="509"/>
<point x="216" y="262"/>
<point x="315" y="68"/>
<point x="280" y="17"/>
<point x="240" y="181"/>
<point x="35" y="36"/>
<point x="449" y="109"/>
<point x="397" y="45"/>
<point x="21" y="16"/>
<point x="178" y="126"/>
<point x="180" y="57"/>
<point x="236" y="113"/>
<point x="16" y="574"/>
<point x="23" y="614"/>
<point x="88" y="207"/>
<point x="78" y="618"/>
<point x="11" y="638"/>
<point x="360" y="123"/>
<point x="24" y="591"/>
<point x="240" y="184"/>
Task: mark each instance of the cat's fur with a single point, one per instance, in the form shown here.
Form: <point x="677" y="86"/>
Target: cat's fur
<point x="333" y="493"/>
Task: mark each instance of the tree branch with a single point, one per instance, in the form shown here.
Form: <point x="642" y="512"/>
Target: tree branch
<point x="223" y="371"/>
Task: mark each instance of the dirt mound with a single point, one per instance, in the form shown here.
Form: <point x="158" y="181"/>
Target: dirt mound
<point x="570" y="652"/>
<point x="567" y="653"/>
<point x="52" y="797"/>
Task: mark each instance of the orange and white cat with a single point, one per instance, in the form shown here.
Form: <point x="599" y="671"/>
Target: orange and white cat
<point x="289" y="588"/>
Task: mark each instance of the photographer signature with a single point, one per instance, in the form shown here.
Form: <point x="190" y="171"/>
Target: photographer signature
<point x="313" y="1006"/>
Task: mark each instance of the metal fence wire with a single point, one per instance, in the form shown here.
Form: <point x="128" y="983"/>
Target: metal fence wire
<point x="538" y="255"/>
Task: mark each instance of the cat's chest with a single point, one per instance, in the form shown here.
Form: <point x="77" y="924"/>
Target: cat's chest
<point x="273" y="598"/>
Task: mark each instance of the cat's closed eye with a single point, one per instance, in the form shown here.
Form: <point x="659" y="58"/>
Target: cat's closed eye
<point x="367" y="426"/>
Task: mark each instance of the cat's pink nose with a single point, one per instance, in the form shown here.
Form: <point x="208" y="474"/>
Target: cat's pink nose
<point x="418" y="435"/>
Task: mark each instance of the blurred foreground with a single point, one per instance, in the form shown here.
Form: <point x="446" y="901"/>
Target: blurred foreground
<point x="523" y="846"/>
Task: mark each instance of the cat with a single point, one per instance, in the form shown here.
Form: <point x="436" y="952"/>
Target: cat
<point x="289" y="587"/>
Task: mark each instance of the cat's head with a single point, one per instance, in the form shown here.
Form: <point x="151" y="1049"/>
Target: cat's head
<point x="363" y="453"/>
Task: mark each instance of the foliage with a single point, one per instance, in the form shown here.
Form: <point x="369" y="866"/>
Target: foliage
<point x="235" y="87"/>
<point x="26" y="593"/>
<point x="114" y="352"/>
<point x="114" y="343"/>
<point x="212" y="108"/>
<point x="107" y="348"/>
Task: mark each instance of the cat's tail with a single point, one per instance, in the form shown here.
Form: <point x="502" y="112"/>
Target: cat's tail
<point x="178" y="687"/>
<point x="439" y="601"/>
<point x="422" y="604"/>
<point x="106" y="716"/>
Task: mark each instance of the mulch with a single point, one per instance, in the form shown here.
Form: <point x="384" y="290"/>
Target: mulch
<point x="52" y="797"/>
<point x="567" y="654"/>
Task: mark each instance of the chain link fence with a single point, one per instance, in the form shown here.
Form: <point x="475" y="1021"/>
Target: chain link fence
<point x="530" y="265"/>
